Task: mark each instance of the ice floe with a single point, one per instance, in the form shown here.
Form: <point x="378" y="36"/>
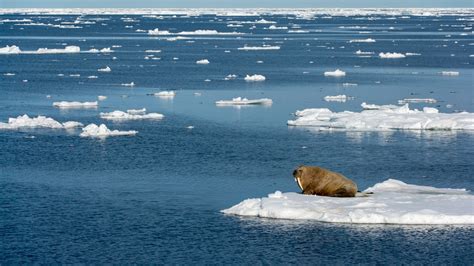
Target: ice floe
<point x="337" y="98"/>
<point x="417" y="100"/>
<point x="24" y="121"/>
<point x="255" y="77"/>
<point x="165" y="94"/>
<point x="450" y="73"/>
<point x="196" y="32"/>
<point x="245" y="101"/>
<point x="105" y="69"/>
<point x="132" y="114"/>
<point x="362" y="40"/>
<point x="95" y="131"/>
<point x="202" y="62"/>
<point x="335" y="73"/>
<point x="391" y="55"/>
<point x="101" y="98"/>
<point x="255" y="48"/>
<point x="359" y="52"/>
<point x="392" y="202"/>
<point x="65" y="104"/>
<point x="376" y="118"/>
<point x="131" y="84"/>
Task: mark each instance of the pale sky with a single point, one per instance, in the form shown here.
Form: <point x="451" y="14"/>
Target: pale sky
<point x="235" y="3"/>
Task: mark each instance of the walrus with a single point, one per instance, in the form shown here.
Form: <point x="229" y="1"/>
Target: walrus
<point x="315" y="180"/>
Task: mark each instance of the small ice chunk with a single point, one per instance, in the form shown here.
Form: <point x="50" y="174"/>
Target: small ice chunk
<point x="335" y="73"/>
<point x="337" y="98"/>
<point x="391" y="55"/>
<point x="131" y="84"/>
<point x="450" y="73"/>
<point x="101" y="97"/>
<point x="363" y="40"/>
<point x="105" y="69"/>
<point x="417" y="100"/>
<point x="132" y="114"/>
<point x="202" y="62"/>
<point x="166" y="94"/>
<point x="245" y="101"/>
<point x="254" y="78"/>
<point x="258" y="48"/>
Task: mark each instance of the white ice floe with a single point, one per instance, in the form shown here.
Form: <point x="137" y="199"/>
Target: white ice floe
<point x="257" y="48"/>
<point x="196" y="32"/>
<point x="131" y="84"/>
<point x="337" y="98"/>
<point x="65" y="104"/>
<point x="450" y="73"/>
<point x="376" y="118"/>
<point x="165" y="94"/>
<point x="92" y="130"/>
<point x="101" y="98"/>
<point x="349" y="84"/>
<point x="16" y="50"/>
<point x="417" y="100"/>
<point x="362" y="40"/>
<point x="391" y="55"/>
<point x="335" y="73"/>
<point x="392" y="202"/>
<point x="359" y="52"/>
<point x="132" y="114"/>
<point x="367" y="106"/>
<point x="202" y="62"/>
<point x="253" y="78"/>
<point x="24" y="121"/>
<point x="274" y="27"/>
<point x="230" y="77"/>
<point x="245" y="101"/>
<point x="105" y="69"/>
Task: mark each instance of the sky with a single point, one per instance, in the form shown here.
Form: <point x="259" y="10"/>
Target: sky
<point x="233" y="3"/>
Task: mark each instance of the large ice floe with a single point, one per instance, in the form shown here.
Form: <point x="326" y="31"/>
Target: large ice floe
<point x="132" y="114"/>
<point x="16" y="50"/>
<point x="337" y="98"/>
<point x="253" y="78"/>
<point x="245" y="101"/>
<point x="383" y="117"/>
<point x="196" y="32"/>
<point x="95" y="131"/>
<point x="392" y="202"/>
<point x="24" y="121"/>
<point x="65" y="104"/>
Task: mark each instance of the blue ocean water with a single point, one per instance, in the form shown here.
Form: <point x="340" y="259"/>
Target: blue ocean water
<point x="155" y="197"/>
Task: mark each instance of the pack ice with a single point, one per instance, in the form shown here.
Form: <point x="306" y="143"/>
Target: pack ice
<point x="24" y="121"/>
<point x="383" y="117"/>
<point x="392" y="202"/>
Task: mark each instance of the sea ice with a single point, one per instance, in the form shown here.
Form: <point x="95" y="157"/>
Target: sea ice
<point x="24" y="121"/>
<point x="337" y="98"/>
<point x="375" y="118"/>
<point x="392" y="202"/>
<point x="65" y="104"/>
<point x="92" y="130"/>
<point x="362" y="40"/>
<point x="105" y="69"/>
<point x="335" y="73"/>
<point x="202" y="62"/>
<point x="256" y="48"/>
<point x="245" y="101"/>
<point x="167" y="94"/>
<point x="132" y="114"/>
<point x="391" y="55"/>
<point x="450" y="73"/>
<point x="255" y="77"/>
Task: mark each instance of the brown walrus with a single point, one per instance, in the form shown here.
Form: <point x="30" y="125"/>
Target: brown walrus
<point x="319" y="181"/>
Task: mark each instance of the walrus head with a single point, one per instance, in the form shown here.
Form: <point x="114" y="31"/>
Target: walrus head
<point x="298" y="173"/>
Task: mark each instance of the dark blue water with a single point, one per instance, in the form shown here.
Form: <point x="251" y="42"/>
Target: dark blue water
<point x="156" y="197"/>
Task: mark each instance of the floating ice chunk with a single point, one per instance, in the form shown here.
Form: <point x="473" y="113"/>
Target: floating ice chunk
<point x="131" y="84"/>
<point x="391" y="55"/>
<point x="152" y="51"/>
<point x="417" y="100"/>
<point x="65" y="104"/>
<point x="10" y="50"/>
<point x="412" y="54"/>
<point x="106" y="50"/>
<point x="254" y="78"/>
<point x="349" y="84"/>
<point x="105" y="69"/>
<point x="392" y="202"/>
<point x="9" y="74"/>
<point x="450" y="73"/>
<point x="230" y="77"/>
<point x="156" y="31"/>
<point x="366" y="106"/>
<point x="92" y="77"/>
<point x="166" y="94"/>
<point x="101" y="98"/>
<point x="383" y="118"/>
<point x="190" y="127"/>
<point x="67" y="50"/>
<point x="362" y="40"/>
<point x="274" y="27"/>
<point x="196" y="32"/>
<point x="24" y="121"/>
<point x="335" y="73"/>
<point x="256" y="48"/>
<point x="337" y="98"/>
<point x="133" y="114"/>
<point x="202" y="62"/>
<point x="359" y="52"/>
<point x="92" y="130"/>
<point x="245" y="101"/>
